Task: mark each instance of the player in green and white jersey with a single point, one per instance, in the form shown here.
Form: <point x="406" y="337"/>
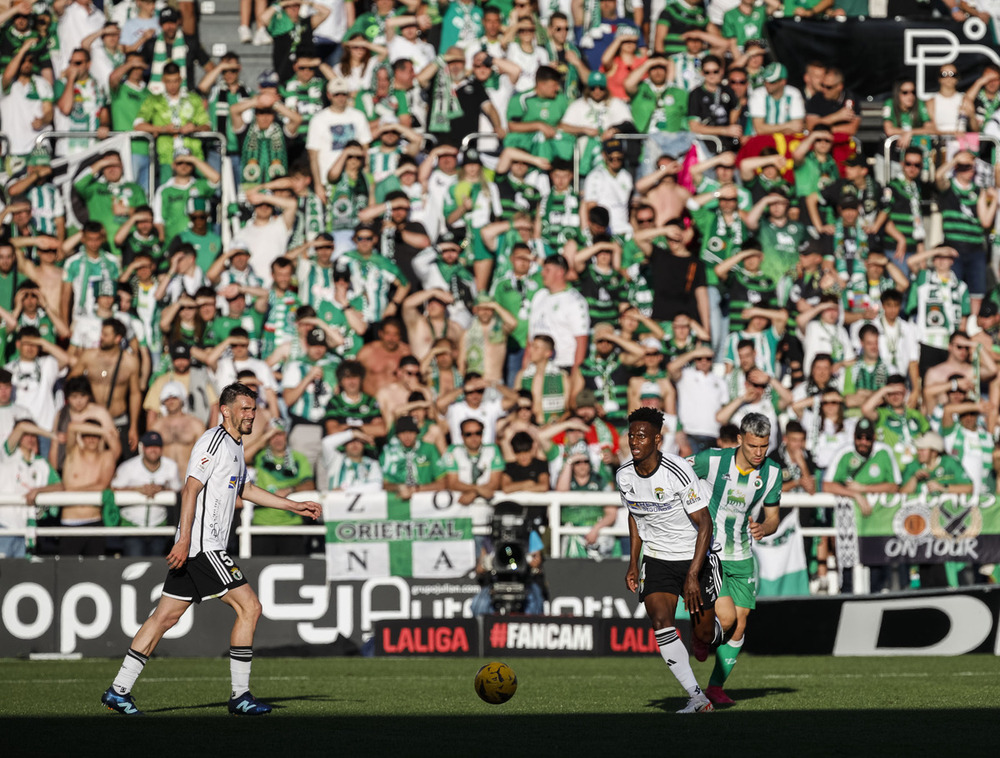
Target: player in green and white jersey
<point x="741" y="479"/>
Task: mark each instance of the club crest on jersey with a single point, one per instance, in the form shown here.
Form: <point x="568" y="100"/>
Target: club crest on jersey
<point x="758" y="483"/>
<point x="658" y="494"/>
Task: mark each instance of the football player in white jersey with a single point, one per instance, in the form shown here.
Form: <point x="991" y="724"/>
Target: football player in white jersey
<point x="669" y="524"/>
<point x="199" y="565"/>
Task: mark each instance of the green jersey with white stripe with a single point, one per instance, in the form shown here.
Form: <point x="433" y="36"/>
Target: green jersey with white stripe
<point x="734" y="496"/>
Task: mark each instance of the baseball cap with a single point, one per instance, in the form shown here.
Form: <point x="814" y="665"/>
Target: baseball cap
<point x="471" y="155"/>
<point x="586" y="399"/>
<point x="929" y="441"/>
<point x="988" y="308"/>
<point x="152" y="439"/>
<point x="775" y="72"/>
<point x="597" y="79"/>
<point x="651" y="343"/>
<point x="484" y="299"/>
<point x="858" y="159"/>
<point x="278" y="425"/>
<point x="627" y="31"/>
<point x="169" y="16"/>
<point x="452" y="235"/>
<point x="406" y="424"/>
<point x="181" y="151"/>
<point x="848" y="201"/>
<point x="865" y="428"/>
<point x="316" y="336"/>
<point x="197" y="204"/>
<point x="180" y="350"/>
<point x="39" y="156"/>
<point x="239" y="243"/>
<point x="338" y="85"/>
<point x="173" y="389"/>
<point x="612" y="146"/>
<point x="106" y="288"/>
<point x="268" y="78"/>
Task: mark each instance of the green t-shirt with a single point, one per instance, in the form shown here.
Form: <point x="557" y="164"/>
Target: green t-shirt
<point x="898" y="431"/>
<point x="420" y="464"/>
<point x="659" y="109"/>
<point x="848" y="466"/>
<point x="735" y="495"/>
<point x="126" y="101"/>
<point x="277" y="473"/>
<point x="353" y="412"/>
<point x="946" y="471"/>
<point x="100" y="197"/>
<point x="208" y="247"/>
<point x="187" y="109"/>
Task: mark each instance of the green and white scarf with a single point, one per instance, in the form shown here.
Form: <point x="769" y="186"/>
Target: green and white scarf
<point x="445" y="106"/>
<point x="264" y="156"/>
<point x="178" y="54"/>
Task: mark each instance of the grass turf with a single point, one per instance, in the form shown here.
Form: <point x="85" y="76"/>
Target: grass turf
<point x="578" y="706"/>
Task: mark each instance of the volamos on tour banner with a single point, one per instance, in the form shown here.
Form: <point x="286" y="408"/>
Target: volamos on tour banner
<point x="918" y="529"/>
<point x="380" y="535"/>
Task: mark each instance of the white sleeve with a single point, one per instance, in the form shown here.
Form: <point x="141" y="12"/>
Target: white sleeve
<point x="291" y="376"/>
<point x="756" y="103"/>
<point x="688" y="487"/>
<point x="173" y="475"/>
<point x="582" y="317"/>
<point x="798" y="106"/>
<point x="202" y="463"/>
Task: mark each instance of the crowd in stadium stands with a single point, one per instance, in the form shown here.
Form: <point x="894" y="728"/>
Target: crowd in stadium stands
<point x="422" y="309"/>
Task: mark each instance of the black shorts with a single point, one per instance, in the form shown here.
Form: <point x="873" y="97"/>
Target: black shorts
<point x="668" y="576"/>
<point x="203" y="577"/>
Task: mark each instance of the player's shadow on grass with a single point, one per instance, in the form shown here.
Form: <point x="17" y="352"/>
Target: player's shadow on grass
<point x="674" y="704"/>
<point x="274" y="701"/>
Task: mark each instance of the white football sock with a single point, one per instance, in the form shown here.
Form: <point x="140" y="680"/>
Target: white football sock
<point x="131" y="668"/>
<point x="676" y="657"/>
<point x="240" y="659"/>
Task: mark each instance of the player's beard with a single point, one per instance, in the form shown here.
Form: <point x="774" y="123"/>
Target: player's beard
<point x="246" y="426"/>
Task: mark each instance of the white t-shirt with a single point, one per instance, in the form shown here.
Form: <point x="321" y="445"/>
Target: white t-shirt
<point x="19" y="106"/>
<point x="420" y="53"/>
<point x="660" y="504"/>
<point x="33" y="382"/>
<point x="133" y="473"/>
<point x="488" y="413"/>
<point x="267" y="242"/>
<point x="217" y="462"/>
<point x="334" y="26"/>
<point x="330" y="132"/>
<point x="586" y="112"/>
<point x="528" y="63"/>
<point x="19" y="476"/>
<point x="227" y="370"/>
<point x="898" y="345"/>
<point x="563" y="316"/>
<point x="10" y="415"/>
<point x="612" y="193"/>
<point x="821" y="337"/>
<point x="699" y="398"/>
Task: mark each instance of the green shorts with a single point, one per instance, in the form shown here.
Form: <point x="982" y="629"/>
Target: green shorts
<point x="739" y="581"/>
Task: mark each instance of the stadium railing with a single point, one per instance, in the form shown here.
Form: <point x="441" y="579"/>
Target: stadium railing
<point x="552" y="502"/>
<point x="216" y="137"/>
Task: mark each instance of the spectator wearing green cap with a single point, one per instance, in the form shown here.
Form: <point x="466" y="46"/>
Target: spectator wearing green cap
<point x="777" y="107"/>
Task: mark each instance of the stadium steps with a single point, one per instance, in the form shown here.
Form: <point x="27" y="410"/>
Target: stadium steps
<point x="219" y="22"/>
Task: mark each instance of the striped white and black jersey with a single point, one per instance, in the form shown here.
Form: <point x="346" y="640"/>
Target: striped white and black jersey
<point x="217" y="461"/>
<point x="660" y="504"/>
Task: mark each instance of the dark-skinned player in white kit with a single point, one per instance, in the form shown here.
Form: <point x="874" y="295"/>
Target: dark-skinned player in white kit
<point x="669" y="524"/>
<point x="199" y="567"/>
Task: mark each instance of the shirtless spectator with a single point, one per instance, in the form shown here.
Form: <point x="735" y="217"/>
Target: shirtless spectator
<point x="79" y="405"/>
<point x="381" y="357"/>
<point x="432" y="323"/>
<point x="960" y="352"/>
<point x="393" y="396"/>
<point x="661" y="190"/>
<point x="440" y="367"/>
<point x="113" y="372"/>
<point x="179" y="430"/>
<point x="45" y="273"/>
<point x="90" y="466"/>
<point x="483" y="348"/>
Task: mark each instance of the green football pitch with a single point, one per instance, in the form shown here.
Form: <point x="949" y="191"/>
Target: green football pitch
<point x="580" y="707"/>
